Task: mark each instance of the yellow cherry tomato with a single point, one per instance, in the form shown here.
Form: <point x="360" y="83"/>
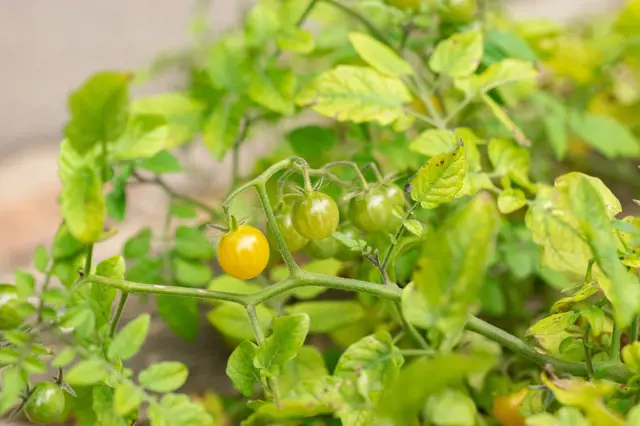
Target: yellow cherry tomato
<point x="244" y="252"/>
<point x="506" y="409"/>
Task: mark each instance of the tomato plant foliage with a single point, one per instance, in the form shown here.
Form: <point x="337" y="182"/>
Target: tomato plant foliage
<point x="421" y="254"/>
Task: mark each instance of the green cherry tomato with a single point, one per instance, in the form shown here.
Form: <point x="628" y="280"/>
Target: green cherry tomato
<point x="11" y="316"/>
<point x="315" y="215"/>
<point x="395" y="194"/>
<point x="323" y="249"/>
<point x="344" y="253"/>
<point x="292" y="238"/>
<point x="45" y="403"/>
<point x="372" y="211"/>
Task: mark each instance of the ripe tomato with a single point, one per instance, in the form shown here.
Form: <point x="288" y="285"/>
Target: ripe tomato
<point x="315" y="215"/>
<point x="344" y="253"/>
<point x="292" y="238"/>
<point x="11" y="316"/>
<point x="372" y="211"/>
<point x="323" y="249"/>
<point x="505" y="409"/>
<point x="244" y="252"/>
<point x="45" y="403"/>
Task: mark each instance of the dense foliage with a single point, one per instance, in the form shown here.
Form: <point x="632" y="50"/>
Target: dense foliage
<point x="485" y="284"/>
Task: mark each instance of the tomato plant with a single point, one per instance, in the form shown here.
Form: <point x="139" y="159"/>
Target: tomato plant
<point x="429" y="248"/>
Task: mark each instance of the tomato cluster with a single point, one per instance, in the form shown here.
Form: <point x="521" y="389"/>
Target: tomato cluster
<point x="308" y="224"/>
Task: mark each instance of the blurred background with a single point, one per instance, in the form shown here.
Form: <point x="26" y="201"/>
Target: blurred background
<point x="47" y="48"/>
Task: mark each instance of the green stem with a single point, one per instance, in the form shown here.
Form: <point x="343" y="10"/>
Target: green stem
<point x="613" y="371"/>
<point x="615" y="342"/>
<point x="354" y="166"/>
<point x="633" y="330"/>
<point x="273" y="224"/>
<point x="88" y="260"/>
<point x="407" y="326"/>
<point x="364" y="21"/>
<point x="45" y="286"/>
<point x="255" y="323"/>
<point x="587" y="350"/>
<point x="118" y="313"/>
<point x="417" y="352"/>
<point x="306" y="13"/>
<point x="398" y="234"/>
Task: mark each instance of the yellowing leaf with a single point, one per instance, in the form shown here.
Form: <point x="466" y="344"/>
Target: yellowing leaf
<point x="504" y="119"/>
<point x="585" y="292"/>
<point x="512" y="72"/>
<point x="296" y="40"/>
<point x="358" y="94"/>
<point x="553" y="324"/>
<point x="511" y="200"/>
<point x="83" y="205"/>
<point x="433" y="142"/>
<point x="379" y="56"/>
<point x="509" y="159"/>
<point x="459" y="55"/>
<point x="441" y="179"/>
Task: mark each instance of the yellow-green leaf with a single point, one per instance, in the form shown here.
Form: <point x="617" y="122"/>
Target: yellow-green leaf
<point x="504" y="119"/>
<point x="379" y="56"/>
<point x="459" y="55"/>
<point x="274" y="90"/>
<point x="222" y="127"/>
<point x="434" y="142"/>
<point x="327" y="315"/>
<point x="358" y="94"/>
<point x="509" y="159"/>
<point x="553" y="324"/>
<point x="511" y="200"/>
<point x="296" y="40"/>
<point x="441" y="180"/>
<point x="83" y="205"/>
<point x="288" y="335"/>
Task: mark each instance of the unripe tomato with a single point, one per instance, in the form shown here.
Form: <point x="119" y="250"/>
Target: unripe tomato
<point x="292" y="238"/>
<point x="506" y="409"/>
<point x="372" y="211"/>
<point x="344" y="253"/>
<point x="315" y="215"/>
<point x="460" y="10"/>
<point x="45" y="403"/>
<point x="323" y="249"/>
<point x="10" y="314"/>
<point x="243" y="253"/>
<point x="395" y="194"/>
<point x="404" y="4"/>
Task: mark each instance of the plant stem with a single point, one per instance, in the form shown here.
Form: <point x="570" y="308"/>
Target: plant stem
<point x="87" y="262"/>
<point x="587" y="350"/>
<point x="306" y="13"/>
<point x="364" y="21"/>
<point x="273" y="224"/>
<point x="255" y="323"/>
<point x="407" y="326"/>
<point x="613" y="371"/>
<point x="417" y="352"/>
<point x="633" y="330"/>
<point x="45" y="286"/>
<point x="118" y="313"/>
<point x="615" y="342"/>
<point x="398" y="234"/>
<point x="354" y="166"/>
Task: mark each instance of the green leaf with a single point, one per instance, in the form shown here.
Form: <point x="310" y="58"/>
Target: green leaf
<point x="102" y="296"/>
<point x="605" y="134"/>
<point x="64" y="357"/>
<point x="312" y="143"/>
<point x="223" y="127"/>
<point x="296" y="40"/>
<point x="86" y="373"/>
<point x="230" y="284"/>
<point x="413" y="226"/>
<point x="449" y="274"/>
<point x="129" y="340"/>
<point x="179" y="410"/>
<point x="191" y="273"/>
<point x="459" y="55"/>
<point x="514" y="77"/>
<point x="434" y="142"/>
<point x="401" y="407"/>
<point x="145" y="136"/>
<point x="65" y="245"/>
<point x="451" y="407"/>
<point x="81" y="318"/>
<point x="99" y="111"/>
<point x="441" y="179"/>
<point x="274" y="90"/>
<point x="596" y="318"/>
<point x="127" y="398"/>
<point x="585" y="292"/>
<point x="228" y="64"/>
<point x="190" y="243"/>
<point x="240" y="369"/>
<point x="138" y="245"/>
<point x="374" y="355"/>
<point x="509" y="159"/>
<point x="500" y="44"/>
<point x="282" y="345"/>
<point x="13" y="383"/>
<point x="553" y="324"/>
<point x="307" y="365"/>
<point x="511" y="200"/>
<point x="41" y="258"/>
<point x="328" y="315"/>
<point x="593" y="221"/>
<point x="104" y="407"/>
<point x="25" y="284"/>
<point x="555" y="118"/>
<point x="113" y="267"/>
<point x="181" y="113"/>
<point x="631" y="356"/>
<point x="379" y="56"/>
<point x="181" y="314"/>
<point x="163" y="376"/>
<point x="116" y="201"/>
<point x="82" y="205"/>
<point x="162" y="162"/>
<point x="358" y="94"/>
<point x="232" y="321"/>
<point x="627" y="22"/>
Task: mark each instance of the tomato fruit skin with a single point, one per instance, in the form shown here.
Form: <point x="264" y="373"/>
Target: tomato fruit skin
<point x="323" y="249"/>
<point x="505" y="409"/>
<point x="292" y="238"/>
<point x="344" y="253"/>
<point x="372" y="211"/>
<point x="244" y="252"/>
<point x="315" y="215"/>
<point x="10" y="315"/>
<point x="45" y="403"/>
<point x="395" y="194"/>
